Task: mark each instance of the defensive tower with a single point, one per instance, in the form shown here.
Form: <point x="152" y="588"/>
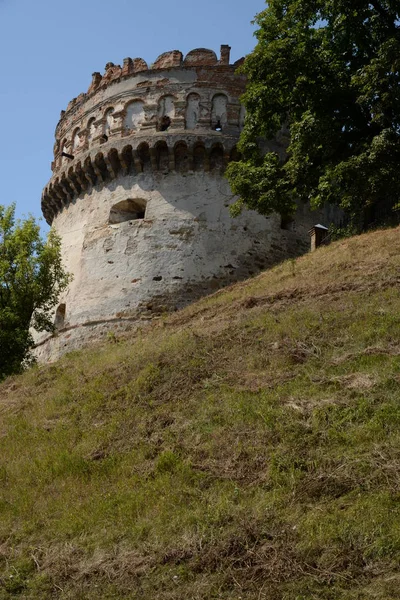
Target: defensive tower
<point x="139" y="198"/>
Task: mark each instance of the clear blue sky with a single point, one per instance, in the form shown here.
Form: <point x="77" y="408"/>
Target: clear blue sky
<point x="50" y="48"/>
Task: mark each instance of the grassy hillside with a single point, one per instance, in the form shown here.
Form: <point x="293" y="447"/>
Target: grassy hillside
<point x="247" y="447"/>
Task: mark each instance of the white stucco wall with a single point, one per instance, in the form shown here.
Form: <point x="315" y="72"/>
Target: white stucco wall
<point x="186" y="246"/>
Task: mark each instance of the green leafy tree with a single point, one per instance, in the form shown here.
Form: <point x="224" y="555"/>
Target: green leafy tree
<point x="31" y="279"/>
<point x="327" y="73"/>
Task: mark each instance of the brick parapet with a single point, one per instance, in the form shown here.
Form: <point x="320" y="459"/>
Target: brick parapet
<point x="206" y="71"/>
<point x="186" y="103"/>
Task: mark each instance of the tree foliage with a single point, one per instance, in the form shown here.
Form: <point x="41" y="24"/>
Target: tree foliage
<point x="31" y="279"/>
<point x="327" y="73"/>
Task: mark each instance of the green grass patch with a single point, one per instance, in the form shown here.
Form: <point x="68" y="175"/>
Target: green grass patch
<point x="247" y="448"/>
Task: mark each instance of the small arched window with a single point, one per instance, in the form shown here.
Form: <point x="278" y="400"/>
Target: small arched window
<point x="108" y="122"/>
<point x="127" y="210"/>
<point x="165" y="112"/>
<point x="91" y="130"/>
<point x="219" y="112"/>
<point x="59" y="321"/>
<point x="76" y="140"/>
<point x="134" y="115"/>
<point x="192" y="111"/>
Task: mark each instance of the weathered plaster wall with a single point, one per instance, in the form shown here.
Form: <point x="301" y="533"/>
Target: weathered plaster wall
<point x="187" y="245"/>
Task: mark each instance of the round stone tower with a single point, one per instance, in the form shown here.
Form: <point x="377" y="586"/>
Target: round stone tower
<point x="140" y="201"/>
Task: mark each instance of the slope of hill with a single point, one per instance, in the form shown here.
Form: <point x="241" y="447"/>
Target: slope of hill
<point x="247" y="447"/>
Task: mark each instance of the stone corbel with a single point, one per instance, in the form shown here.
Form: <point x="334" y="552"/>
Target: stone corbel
<point x="89" y="172"/>
<point x="112" y="172"/>
<point x="64" y="185"/>
<point x="81" y="178"/>
<point x="52" y="199"/>
<point x="48" y="215"/>
<point x="60" y="194"/>
<point x="98" y="171"/>
<point x="73" y="185"/>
